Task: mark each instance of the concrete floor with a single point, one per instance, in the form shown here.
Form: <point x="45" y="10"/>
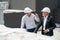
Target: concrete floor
<point x="57" y="33"/>
<point x="19" y="34"/>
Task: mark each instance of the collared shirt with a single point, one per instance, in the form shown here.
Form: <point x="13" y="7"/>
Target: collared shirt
<point x="29" y="21"/>
<point x="44" y="22"/>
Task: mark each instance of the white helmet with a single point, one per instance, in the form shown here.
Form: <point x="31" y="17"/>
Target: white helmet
<point x="46" y="9"/>
<point x="27" y="10"/>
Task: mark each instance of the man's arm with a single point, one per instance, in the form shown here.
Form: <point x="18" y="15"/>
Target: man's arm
<point x="37" y="17"/>
<point x="52" y="22"/>
<point x="37" y="28"/>
<point x="22" y="22"/>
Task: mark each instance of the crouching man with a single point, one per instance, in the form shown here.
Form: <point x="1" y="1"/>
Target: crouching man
<point x="47" y="22"/>
<point x="29" y="20"/>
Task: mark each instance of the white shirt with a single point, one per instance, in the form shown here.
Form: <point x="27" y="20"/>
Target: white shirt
<point x="44" y="22"/>
<point x="29" y="21"/>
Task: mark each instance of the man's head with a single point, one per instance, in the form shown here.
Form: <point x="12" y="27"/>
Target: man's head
<point x="28" y="11"/>
<point x="45" y="11"/>
<point x="28" y="14"/>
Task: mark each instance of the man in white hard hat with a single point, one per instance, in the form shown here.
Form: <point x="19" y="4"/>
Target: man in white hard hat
<point x="29" y="20"/>
<point x="47" y="22"/>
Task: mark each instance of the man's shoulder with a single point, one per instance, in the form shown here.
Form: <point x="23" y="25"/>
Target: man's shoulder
<point x="24" y="16"/>
<point x="51" y="17"/>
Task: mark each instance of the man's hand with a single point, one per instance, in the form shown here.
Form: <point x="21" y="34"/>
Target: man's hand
<point x="34" y="10"/>
<point x="36" y="15"/>
<point x="45" y="31"/>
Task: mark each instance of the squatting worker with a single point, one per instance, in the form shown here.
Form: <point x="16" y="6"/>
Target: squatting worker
<point x="29" y="20"/>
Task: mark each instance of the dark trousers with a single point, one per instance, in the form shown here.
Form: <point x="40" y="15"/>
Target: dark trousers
<point x="31" y="30"/>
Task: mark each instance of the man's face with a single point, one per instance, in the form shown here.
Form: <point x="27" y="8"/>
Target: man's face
<point x="29" y="14"/>
<point x="44" y="14"/>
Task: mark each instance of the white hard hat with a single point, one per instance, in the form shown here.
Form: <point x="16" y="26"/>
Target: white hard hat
<point x="46" y="9"/>
<point x="27" y="10"/>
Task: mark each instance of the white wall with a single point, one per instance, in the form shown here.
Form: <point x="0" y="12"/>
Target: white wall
<point x="21" y="4"/>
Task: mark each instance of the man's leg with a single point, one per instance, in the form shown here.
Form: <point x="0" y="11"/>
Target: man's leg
<point x="31" y="30"/>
